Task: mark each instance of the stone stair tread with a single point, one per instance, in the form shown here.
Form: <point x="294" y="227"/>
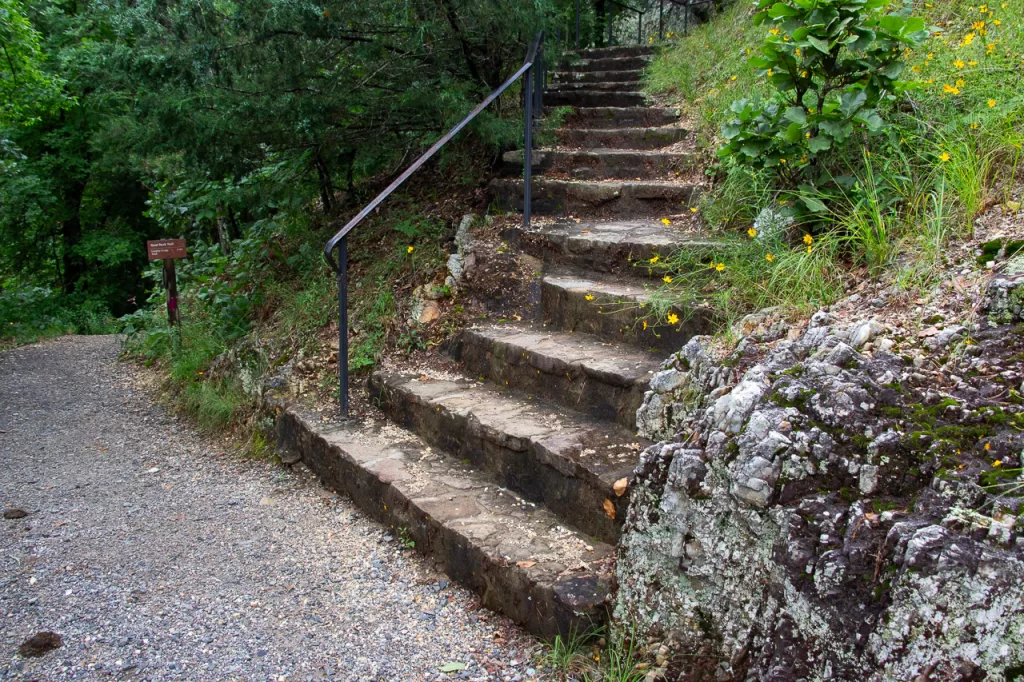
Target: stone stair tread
<point x="621" y="117"/>
<point x="615" y="50"/>
<point x="601" y="86"/>
<point x="553" y="352"/>
<point x="606" y="198"/>
<point x="600" y="63"/>
<point x="570" y="296"/>
<point x="595" y="98"/>
<point x="648" y="232"/>
<point x="607" y="164"/>
<point x="619" y="289"/>
<point x="632" y="138"/>
<point x="523" y="560"/>
<point x="505" y="415"/>
<point x="596" y="76"/>
<point x="551" y="454"/>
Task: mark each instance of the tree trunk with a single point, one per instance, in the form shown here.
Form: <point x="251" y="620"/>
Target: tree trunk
<point x="71" y="236"/>
<point x="326" y="186"/>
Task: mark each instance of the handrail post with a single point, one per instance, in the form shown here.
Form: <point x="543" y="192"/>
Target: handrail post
<point x="343" y="325"/>
<point x="538" y="84"/>
<point x="527" y="145"/>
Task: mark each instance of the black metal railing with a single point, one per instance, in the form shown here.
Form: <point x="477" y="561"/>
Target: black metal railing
<point x="609" y="20"/>
<point x="533" y="87"/>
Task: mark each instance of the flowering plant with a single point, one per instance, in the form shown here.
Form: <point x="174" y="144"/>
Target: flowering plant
<point x="830" y="62"/>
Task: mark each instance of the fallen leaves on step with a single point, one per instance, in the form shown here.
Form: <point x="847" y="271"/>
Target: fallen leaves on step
<point x="609" y="508"/>
<point x="526" y="564"/>
<point x="620" y="487"/>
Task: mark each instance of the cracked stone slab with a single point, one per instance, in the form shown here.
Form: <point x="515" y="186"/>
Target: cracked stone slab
<point x="521" y="559"/>
<point x="553" y="456"/>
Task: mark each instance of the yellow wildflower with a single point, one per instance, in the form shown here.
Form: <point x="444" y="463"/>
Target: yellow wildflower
<point x="769" y="73"/>
<point x="916" y="69"/>
<point x="998" y="463"/>
<point x="672" y="318"/>
<point x="666" y="279"/>
<point x="959" y="64"/>
<point x="655" y="258"/>
<point x="693" y="209"/>
<point x="972" y="63"/>
<point x="666" y="221"/>
<point x="769" y="257"/>
<point x="974" y="126"/>
<point x="645" y="325"/>
<point x="773" y="31"/>
<point x="960" y="82"/>
<point x="782" y="161"/>
<point x="733" y="78"/>
<point x="809" y="247"/>
<point x="929" y="56"/>
<point x="991" y="102"/>
<point x="410" y="249"/>
<point x="944" y="157"/>
<point x="988" y="446"/>
<point x="808" y="239"/>
<point x="996" y="22"/>
<point x="947" y="88"/>
<point x="752" y="232"/>
<point x="589" y="297"/>
<point x="968" y="39"/>
<point x="978" y="25"/>
<point x="720" y="267"/>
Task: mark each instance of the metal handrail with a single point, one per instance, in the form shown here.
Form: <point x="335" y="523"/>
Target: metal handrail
<point x="533" y="91"/>
<point x="639" y="21"/>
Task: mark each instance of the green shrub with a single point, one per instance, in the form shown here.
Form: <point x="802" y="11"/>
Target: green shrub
<point x="831" y="63"/>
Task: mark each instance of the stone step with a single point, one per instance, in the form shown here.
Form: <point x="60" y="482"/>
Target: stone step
<point x="522" y="560"/>
<point x="621" y="117"/>
<point x="611" y="246"/>
<point x="615" y="51"/>
<point x="596" y="76"/>
<point x="611" y="86"/>
<point x="594" y="98"/>
<point x="610" y="198"/>
<point x="599" y="164"/>
<point x="602" y="63"/>
<point x="621" y="138"/>
<point x="551" y="455"/>
<point x="582" y="372"/>
<point x="616" y="309"/>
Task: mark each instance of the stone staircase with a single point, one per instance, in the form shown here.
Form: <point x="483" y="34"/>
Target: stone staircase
<point x="514" y="475"/>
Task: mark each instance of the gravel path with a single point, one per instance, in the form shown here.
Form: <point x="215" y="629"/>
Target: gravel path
<point x="157" y="554"/>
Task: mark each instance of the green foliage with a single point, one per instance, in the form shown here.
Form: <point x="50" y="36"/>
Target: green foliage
<point x="831" y="62"/>
<point x="26" y="89"/>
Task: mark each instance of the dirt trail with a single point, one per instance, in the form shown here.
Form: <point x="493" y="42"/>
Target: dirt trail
<point x="156" y="555"/>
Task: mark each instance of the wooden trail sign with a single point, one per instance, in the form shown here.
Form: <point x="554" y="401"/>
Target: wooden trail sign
<point x="167" y="250"/>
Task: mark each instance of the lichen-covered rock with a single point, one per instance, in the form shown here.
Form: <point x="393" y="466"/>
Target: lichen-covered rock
<point x="822" y="509"/>
<point x="1005" y="299"/>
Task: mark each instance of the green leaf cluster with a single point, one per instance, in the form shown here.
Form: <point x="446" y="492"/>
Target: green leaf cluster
<point x="832" y="64"/>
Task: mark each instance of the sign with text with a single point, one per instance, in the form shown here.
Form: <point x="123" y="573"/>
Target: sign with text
<point x="166" y="248"/>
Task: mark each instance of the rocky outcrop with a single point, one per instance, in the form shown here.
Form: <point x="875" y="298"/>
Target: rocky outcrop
<point x="820" y="507"/>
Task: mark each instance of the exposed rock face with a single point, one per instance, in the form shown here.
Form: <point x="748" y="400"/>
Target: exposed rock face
<point x="827" y="513"/>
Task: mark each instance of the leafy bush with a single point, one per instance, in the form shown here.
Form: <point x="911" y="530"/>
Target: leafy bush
<point x="831" y="63"/>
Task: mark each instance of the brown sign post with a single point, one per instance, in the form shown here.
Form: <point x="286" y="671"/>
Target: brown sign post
<point x="167" y="250"/>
